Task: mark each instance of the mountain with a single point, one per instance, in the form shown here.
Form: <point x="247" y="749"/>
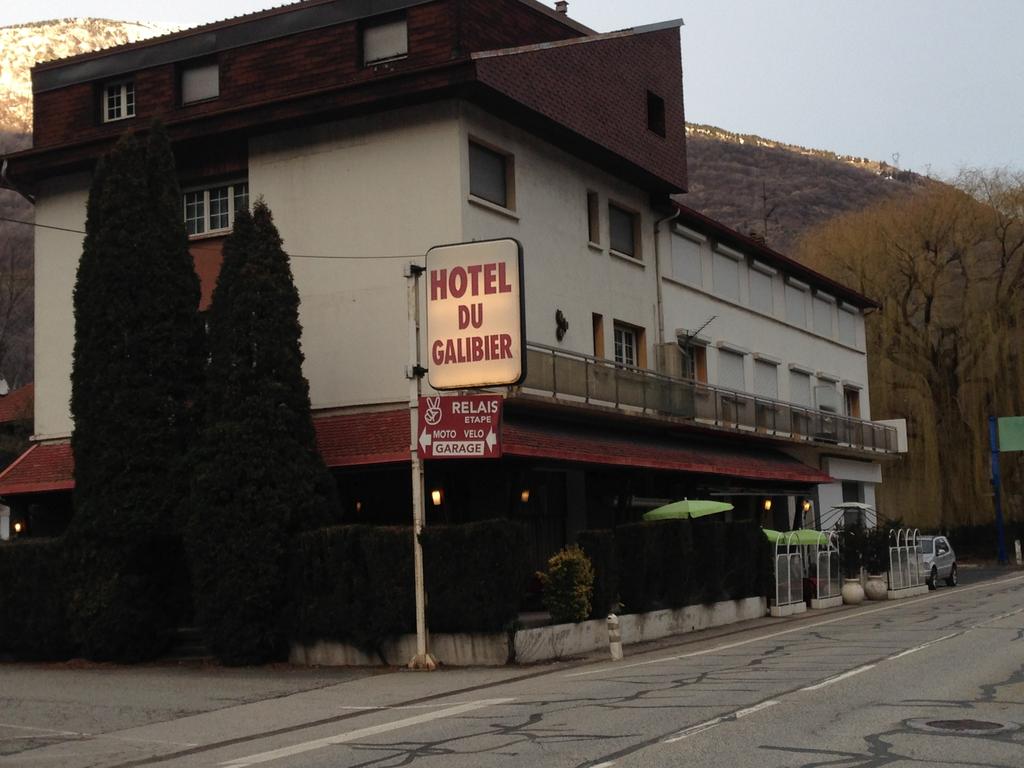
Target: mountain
<point x="25" y="45"/>
<point x="780" y="191"/>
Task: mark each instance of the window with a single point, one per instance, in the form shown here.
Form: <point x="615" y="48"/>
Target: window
<point x="624" y="227"/>
<point x="761" y="288"/>
<point x="598" y="322"/>
<point x="385" y="41"/>
<point x="823" y="315"/>
<point x="848" y="326"/>
<point x="730" y="370"/>
<point x="796" y="304"/>
<point x="800" y="388"/>
<point x="200" y="82"/>
<point x="853" y="492"/>
<point x="626" y="345"/>
<point x="593" y="218"/>
<point x="213" y="209"/>
<point x="851" y="402"/>
<point x="686" y="261"/>
<point x="656" y="114"/>
<point x="766" y="379"/>
<point x="490" y="175"/>
<point x="695" y="362"/>
<point x="118" y="101"/>
<point x="726" y="275"/>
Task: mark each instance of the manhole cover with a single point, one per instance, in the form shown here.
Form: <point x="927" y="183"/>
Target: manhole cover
<point x="964" y="727"/>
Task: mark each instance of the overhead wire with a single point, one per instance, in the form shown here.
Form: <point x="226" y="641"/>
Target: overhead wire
<point x="200" y="247"/>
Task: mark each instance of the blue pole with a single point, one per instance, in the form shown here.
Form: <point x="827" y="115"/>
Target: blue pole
<point x="993" y="441"/>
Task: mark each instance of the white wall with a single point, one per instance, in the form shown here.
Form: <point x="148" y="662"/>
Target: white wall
<point x="550" y="220"/>
<point x="381" y="186"/>
<point x="61" y="203"/>
<point x="739" y="326"/>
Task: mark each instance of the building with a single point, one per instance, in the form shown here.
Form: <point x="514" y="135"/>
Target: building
<point x="668" y="355"/>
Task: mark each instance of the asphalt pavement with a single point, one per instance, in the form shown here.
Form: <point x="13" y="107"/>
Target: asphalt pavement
<point x="935" y="680"/>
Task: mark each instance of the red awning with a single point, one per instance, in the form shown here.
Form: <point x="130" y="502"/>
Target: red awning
<point x="358" y="439"/>
<point x="43" y="467"/>
<point x="382" y="437"/>
<point x="604" y="448"/>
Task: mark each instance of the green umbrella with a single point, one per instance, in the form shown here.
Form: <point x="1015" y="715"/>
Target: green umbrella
<point x="803" y="537"/>
<point x="686" y="509"/>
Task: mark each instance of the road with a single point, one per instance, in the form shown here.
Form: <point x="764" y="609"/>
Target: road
<point x="936" y="680"/>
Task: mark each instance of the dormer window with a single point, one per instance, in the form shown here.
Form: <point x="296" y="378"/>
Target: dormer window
<point x="385" y="41"/>
<point x="118" y="101"/>
<point x="200" y="82"/>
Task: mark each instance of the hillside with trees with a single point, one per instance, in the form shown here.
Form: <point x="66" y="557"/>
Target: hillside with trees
<point x="779" y="191"/>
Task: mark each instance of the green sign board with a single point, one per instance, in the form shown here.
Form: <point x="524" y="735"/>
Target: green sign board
<point x="1011" y="434"/>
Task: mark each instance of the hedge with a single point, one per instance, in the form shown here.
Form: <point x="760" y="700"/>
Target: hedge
<point x="352" y="583"/>
<point x="476" y="575"/>
<point x="599" y="546"/>
<point x="355" y="583"/>
<point x="33" y="596"/>
<point x="123" y="596"/>
<point x="675" y="563"/>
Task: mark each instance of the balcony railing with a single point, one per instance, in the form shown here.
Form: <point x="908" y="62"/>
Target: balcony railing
<point x="583" y="378"/>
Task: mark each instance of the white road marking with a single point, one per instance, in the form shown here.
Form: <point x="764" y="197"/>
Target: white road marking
<point x="740" y="643"/>
<point x="921" y="647"/>
<point x="362" y="733"/>
<point x="835" y="679"/>
<point x="41" y="730"/>
<point x="693" y="730"/>
<point x="604" y="765"/>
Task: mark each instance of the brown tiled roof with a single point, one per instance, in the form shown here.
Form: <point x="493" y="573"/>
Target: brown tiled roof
<point x="43" y="467"/>
<point x="17" y="405"/>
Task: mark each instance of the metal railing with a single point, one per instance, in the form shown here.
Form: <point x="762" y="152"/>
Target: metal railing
<point x="829" y="579"/>
<point x="905" y="563"/>
<point x="582" y="378"/>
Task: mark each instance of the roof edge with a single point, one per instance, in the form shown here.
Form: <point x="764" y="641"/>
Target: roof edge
<point x="592" y="38"/>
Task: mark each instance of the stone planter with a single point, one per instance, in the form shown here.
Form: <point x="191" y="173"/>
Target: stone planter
<point x="853" y="592"/>
<point x="875" y="588"/>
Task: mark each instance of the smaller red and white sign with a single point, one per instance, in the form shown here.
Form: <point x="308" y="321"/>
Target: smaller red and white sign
<point x="460" y="427"/>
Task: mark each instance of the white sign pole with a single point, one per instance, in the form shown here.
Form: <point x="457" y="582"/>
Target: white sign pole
<point x="422" y="659"/>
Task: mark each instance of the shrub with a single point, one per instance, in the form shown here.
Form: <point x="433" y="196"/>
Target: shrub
<point x="475" y="575"/>
<point x="138" y="357"/>
<point x="568" y="586"/>
<point x="599" y="546"/>
<point x="257" y="476"/>
<point x="33" y="597"/>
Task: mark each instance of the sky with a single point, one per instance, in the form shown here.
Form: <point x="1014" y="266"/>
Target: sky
<point x="932" y="85"/>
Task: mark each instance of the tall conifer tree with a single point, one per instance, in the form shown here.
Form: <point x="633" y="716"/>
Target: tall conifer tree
<point x="258" y="477"/>
<point x="137" y="367"/>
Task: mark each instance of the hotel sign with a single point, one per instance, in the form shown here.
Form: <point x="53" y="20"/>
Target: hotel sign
<point x="475" y="317"/>
<point x="466" y="427"/>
